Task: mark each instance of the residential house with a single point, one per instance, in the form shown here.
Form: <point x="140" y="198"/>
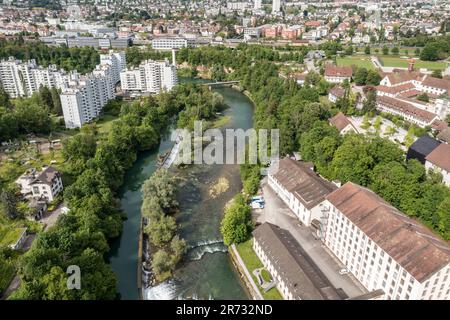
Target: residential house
<point x="343" y="124"/>
<point x="336" y="93"/>
<point x="46" y="184"/>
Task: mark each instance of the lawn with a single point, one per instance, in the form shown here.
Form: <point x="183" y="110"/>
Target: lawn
<point x="252" y="262"/>
<point x="7" y="272"/>
<point x="398" y="62"/>
<point x="104" y="124"/>
<point x="9" y="235"/>
<point x="362" y="61"/>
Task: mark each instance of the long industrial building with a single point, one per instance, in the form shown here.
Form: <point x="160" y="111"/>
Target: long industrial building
<point x="379" y="245"/>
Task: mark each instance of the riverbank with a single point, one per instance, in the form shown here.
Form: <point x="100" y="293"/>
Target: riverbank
<point x="207" y="271"/>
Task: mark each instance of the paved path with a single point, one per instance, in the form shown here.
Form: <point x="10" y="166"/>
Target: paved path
<point x="247" y="274"/>
<point x="278" y="213"/>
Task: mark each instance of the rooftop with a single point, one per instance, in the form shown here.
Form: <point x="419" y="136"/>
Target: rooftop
<point x="335" y="71"/>
<point x="299" y="179"/>
<point x="440" y="156"/>
<point x="406" y="108"/>
<point x="340" y="121"/>
<point x="299" y="272"/>
<point x="407" y="241"/>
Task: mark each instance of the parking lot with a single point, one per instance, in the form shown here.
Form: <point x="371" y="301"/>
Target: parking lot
<point x="276" y="212"/>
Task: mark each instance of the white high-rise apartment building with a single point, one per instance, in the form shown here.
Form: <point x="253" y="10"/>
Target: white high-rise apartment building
<point x="382" y="247"/>
<point x="84" y="97"/>
<point x="257" y="5"/>
<point x="150" y="77"/>
<point x="276" y="6"/>
<point x="22" y="79"/>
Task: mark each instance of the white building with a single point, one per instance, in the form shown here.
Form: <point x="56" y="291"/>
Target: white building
<point x="335" y="74"/>
<point x="22" y="79"/>
<point x="300" y="188"/>
<point x="439" y="161"/>
<point x="257" y="5"/>
<point x="276" y="6"/>
<point x="150" y="77"/>
<point x="169" y="43"/>
<point x="407" y="110"/>
<point x="383" y="248"/>
<point x="46" y="184"/>
<point x="84" y="97"/>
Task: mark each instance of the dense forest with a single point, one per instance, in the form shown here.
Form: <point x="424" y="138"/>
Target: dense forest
<point x="28" y="115"/>
<point x="82" y="59"/>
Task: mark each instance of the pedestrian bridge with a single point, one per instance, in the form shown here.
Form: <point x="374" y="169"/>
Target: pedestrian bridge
<point x="221" y="83"/>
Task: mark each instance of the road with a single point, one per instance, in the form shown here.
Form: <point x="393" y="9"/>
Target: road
<point x="278" y="213"/>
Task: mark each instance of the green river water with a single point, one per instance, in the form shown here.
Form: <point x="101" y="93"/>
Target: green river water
<point x="206" y="271"/>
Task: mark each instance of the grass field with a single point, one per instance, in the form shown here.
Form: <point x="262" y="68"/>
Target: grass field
<point x="9" y="235"/>
<point x="398" y="62"/>
<point x="104" y="123"/>
<point x="252" y="262"/>
<point x="357" y="60"/>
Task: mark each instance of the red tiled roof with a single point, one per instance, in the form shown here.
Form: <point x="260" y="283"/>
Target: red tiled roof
<point x="406" y="108"/>
<point x="340" y="121"/>
<point x="335" y="71"/>
<point x="337" y="91"/>
<point x="407" y="241"/>
<point x="436" y="83"/>
<point x="405" y="76"/>
<point x="396" y="89"/>
<point x="440" y="156"/>
<point x="300" y="180"/>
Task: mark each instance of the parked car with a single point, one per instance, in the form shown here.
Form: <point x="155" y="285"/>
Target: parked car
<point x="257" y="205"/>
<point x="343" y="271"/>
<point x="258" y="199"/>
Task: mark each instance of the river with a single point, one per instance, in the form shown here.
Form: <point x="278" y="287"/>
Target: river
<point x="206" y="272"/>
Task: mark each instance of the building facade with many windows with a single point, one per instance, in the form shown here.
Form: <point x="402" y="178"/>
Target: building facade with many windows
<point x="382" y="247"/>
<point x="150" y="77"/>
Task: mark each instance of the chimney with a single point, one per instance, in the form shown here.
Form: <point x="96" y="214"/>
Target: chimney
<point x="411" y="65"/>
<point x="174" y="61"/>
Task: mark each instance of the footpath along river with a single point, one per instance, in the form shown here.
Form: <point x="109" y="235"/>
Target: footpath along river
<point x="207" y="271"/>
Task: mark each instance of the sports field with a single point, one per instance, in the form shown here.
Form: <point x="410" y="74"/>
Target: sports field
<point x="399" y="62"/>
<point x="362" y="61"/>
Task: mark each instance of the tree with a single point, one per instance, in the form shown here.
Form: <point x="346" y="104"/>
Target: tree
<point x="437" y="74"/>
<point x="161" y="186"/>
<point x="373" y="78"/>
<point x="430" y="52"/>
<point x="236" y="225"/>
<point x="367" y="50"/>
<point x="161" y="230"/>
<point x="5" y="101"/>
<point x="385" y="50"/>
<point x="395" y="51"/>
<point x="360" y="76"/>
<point x="8" y="203"/>
<point x="162" y="264"/>
<point x="377" y="124"/>
<point x="178" y="247"/>
<point x="423" y="97"/>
